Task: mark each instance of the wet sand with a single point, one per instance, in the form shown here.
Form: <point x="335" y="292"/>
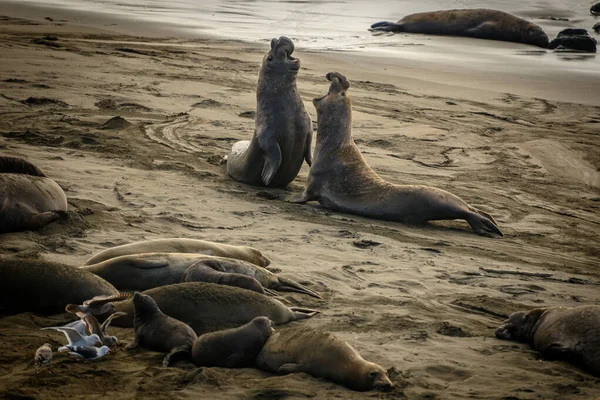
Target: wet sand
<point x="423" y="301"/>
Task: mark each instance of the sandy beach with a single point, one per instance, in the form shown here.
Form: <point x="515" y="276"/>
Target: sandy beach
<point x="421" y="301"/>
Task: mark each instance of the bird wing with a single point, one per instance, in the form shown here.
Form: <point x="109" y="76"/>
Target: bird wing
<point x="99" y="300"/>
<point x="92" y="325"/>
<point x="106" y="323"/>
<point x="72" y="335"/>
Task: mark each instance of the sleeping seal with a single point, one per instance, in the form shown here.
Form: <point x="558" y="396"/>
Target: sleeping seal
<point x="283" y="132"/>
<point x="183" y="245"/>
<point x="476" y="23"/>
<point x="559" y="333"/>
<point x="322" y="355"/>
<point x="208" y="307"/>
<point x="28" y="200"/>
<point x="341" y="180"/>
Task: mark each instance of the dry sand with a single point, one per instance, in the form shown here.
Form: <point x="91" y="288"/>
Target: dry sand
<point x="421" y="300"/>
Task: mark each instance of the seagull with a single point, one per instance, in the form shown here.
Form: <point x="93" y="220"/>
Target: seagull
<point x="89" y="325"/>
<point x="43" y="355"/>
<point x="96" y="306"/>
<point x="87" y="352"/>
<point x="75" y="338"/>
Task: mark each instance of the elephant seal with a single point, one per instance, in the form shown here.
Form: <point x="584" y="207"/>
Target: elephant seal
<point x="283" y="132"/>
<point x="595" y="9"/>
<point x="208" y="307"/>
<point x="559" y="333"/>
<point x="157" y="331"/>
<point x="476" y="23"/>
<point x="182" y="245"/>
<point x="149" y="270"/>
<point x="200" y="272"/>
<point x="44" y="287"/>
<point x="341" y="180"/>
<point x="322" y="355"/>
<point x="28" y="200"/>
<point x="232" y="348"/>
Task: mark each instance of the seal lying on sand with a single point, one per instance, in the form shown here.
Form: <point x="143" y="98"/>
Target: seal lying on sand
<point x="475" y="23"/>
<point x="283" y="133"/>
<point x="182" y="245"/>
<point x="231" y="348"/>
<point x="45" y="287"/>
<point x="559" y="333"/>
<point x="157" y="331"/>
<point x="320" y="354"/>
<point x="28" y="200"/>
<point x="207" y="307"/>
<point x="341" y="180"/>
<point x="149" y="270"/>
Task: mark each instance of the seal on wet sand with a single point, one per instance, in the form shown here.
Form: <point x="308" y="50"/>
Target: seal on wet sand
<point x="476" y="23"/>
<point x="208" y="307"/>
<point x="149" y="270"/>
<point x="559" y="333"/>
<point x="320" y="354"/>
<point x="341" y="180"/>
<point x="157" y="331"/>
<point x="232" y="348"/>
<point x="28" y="200"/>
<point x="44" y="287"/>
<point x="183" y="245"/>
<point x="283" y="132"/>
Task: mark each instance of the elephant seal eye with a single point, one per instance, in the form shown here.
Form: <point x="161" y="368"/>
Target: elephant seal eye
<point x="270" y="58"/>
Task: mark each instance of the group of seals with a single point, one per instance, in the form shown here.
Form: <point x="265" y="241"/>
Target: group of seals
<point x="283" y="133"/>
<point x="475" y="23"/>
<point x="28" y="199"/>
<point x="149" y="270"/>
<point x="563" y="333"/>
<point x="341" y="180"/>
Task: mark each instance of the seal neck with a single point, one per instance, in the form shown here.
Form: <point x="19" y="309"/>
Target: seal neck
<point x="334" y="131"/>
<point x="269" y="86"/>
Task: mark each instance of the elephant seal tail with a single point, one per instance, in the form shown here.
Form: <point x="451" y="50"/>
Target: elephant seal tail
<point x="482" y="222"/>
<point x="17" y="165"/>
<point x="303" y="313"/>
<point x="386" y="26"/>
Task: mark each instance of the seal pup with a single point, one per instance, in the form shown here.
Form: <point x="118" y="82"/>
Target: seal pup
<point x="208" y="307"/>
<point x="149" y="270"/>
<point x="157" y="331"/>
<point x="341" y="180"/>
<point x="28" y="199"/>
<point x="283" y="132"/>
<point x="88" y="352"/>
<point x="322" y="355"/>
<point x="232" y="348"/>
<point x="43" y="355"/>
<point x="558" y="333"/>
<point x="44" y="287"/>
<point x="475" y="23"/>
<point x="200" y="272"/>
<point x="183" y="245"/>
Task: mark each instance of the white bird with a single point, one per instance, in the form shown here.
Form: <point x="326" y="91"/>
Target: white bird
<point x="87" y="352"/>
<point x="89" y="325"/>
<point x="43" y="355"/>
<point x="75" y="338"/>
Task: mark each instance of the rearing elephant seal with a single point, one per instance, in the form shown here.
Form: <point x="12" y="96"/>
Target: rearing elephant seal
<point x="341" y="180"/>
<point x="476" y="23"/>
<point x="28" y="200"/>
<point x="283" y="133"/>
<point x="567" y="333"/>
<point x="320" y="354"/>
<point x="208" y="307"/>
<point x="32" y="285"/>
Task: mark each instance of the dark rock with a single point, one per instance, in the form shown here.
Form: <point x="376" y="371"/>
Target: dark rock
<point x="595" y="10"/>
<point x="574" y="40"/>
<point x="597" y="27"/>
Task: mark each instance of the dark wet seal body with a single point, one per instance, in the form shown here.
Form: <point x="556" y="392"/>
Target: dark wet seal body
<point x="559" y="333"/>
<point x="341" y="180"/>
<point x="232" y="348"/>
<point x="157" y="331"/>
<point x="595" y="9"/>
<point x="183" y="245"/>
<point x="322" y="355"/>
<point x="44" y="287"/>
<point x="28" y="200"/>
<point x="283" y="134"/>
<point x="208" y="307"/>
<point x="475" y="23"/>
